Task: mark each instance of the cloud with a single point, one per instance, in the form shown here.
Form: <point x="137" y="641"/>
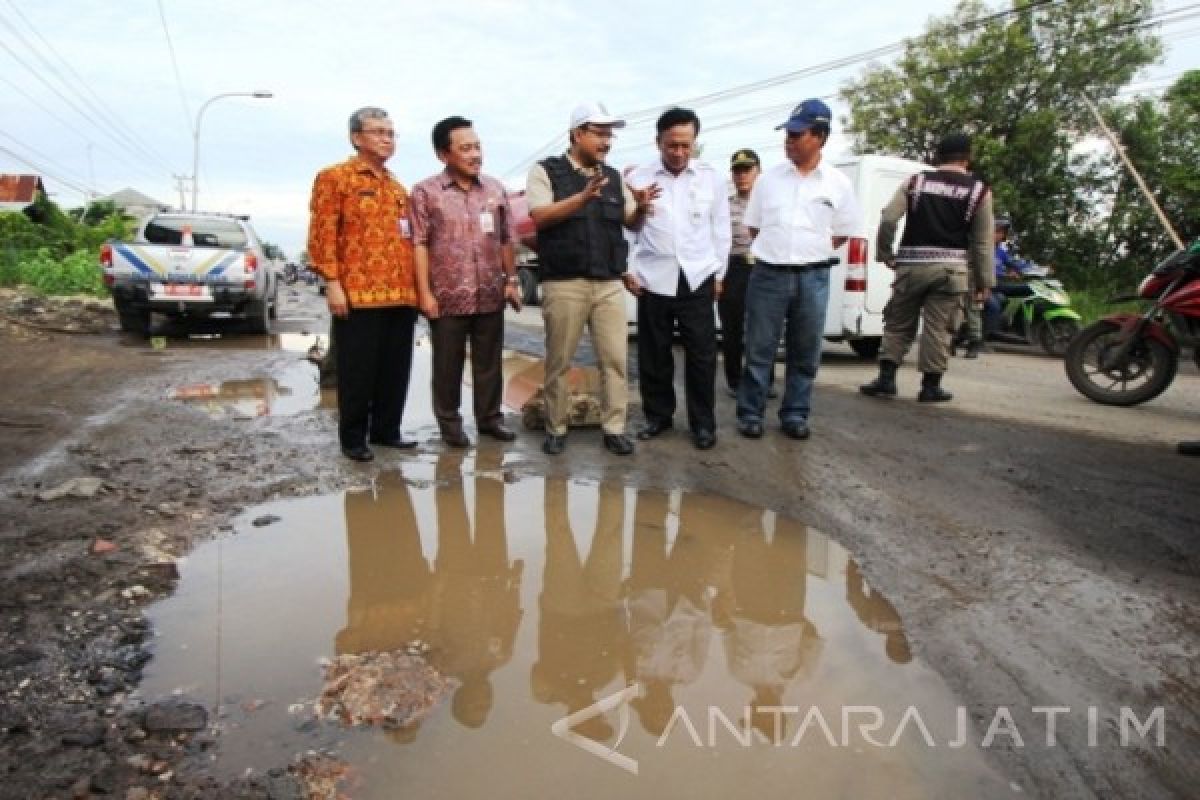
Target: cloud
<point x="516" y="68"/>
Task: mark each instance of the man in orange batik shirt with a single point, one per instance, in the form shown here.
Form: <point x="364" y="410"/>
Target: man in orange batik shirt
<point x="359" y="240"/>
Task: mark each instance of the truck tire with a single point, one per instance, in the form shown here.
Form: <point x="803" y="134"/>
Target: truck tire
<point x="259" y="316"/>
<point x="133" y="320"/>
<point x="273" y="308"/>
<point x="867" y="347"/>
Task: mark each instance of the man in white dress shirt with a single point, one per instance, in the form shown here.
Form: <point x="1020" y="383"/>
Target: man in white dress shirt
<point x="679" y="260"/>
<point x="799" y="212"/>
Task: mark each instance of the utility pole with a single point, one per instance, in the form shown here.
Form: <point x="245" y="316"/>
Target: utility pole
<point x="179" y="186"/>
<point x="1137" y="177"/>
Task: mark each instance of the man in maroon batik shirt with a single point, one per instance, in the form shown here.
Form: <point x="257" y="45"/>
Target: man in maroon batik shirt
<point x="465" y="273"/>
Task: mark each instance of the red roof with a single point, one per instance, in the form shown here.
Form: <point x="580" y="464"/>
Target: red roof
<point x="20" y="188"/>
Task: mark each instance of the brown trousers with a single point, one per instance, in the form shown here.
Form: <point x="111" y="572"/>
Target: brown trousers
<point x="450" y="336"/>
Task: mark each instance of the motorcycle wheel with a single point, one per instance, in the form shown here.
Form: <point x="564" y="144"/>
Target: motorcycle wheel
<point x="1054" y="335"/>
<point x="1145" y="373"/>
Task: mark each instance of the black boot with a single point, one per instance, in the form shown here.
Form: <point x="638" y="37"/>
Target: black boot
<point x="973" y="348"/>
<point x="931" y="389"/>
<point x="885" y="384"/>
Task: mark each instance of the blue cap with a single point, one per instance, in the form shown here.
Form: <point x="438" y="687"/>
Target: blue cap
<point x="807" y="114"/>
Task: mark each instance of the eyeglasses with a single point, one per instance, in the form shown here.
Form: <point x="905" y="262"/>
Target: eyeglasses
<point x="386" y="133"/>
<point x="600" y="133"/>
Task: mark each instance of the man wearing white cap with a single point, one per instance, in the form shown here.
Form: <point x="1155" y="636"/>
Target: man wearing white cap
<point x="579" y="205"/>
<point x="798" y="213"/>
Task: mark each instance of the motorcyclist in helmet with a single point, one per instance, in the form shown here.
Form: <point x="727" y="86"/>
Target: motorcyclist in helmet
<point x="1009" y="270"/>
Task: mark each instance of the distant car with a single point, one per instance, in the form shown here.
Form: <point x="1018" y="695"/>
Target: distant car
<point x="191" y="265"/>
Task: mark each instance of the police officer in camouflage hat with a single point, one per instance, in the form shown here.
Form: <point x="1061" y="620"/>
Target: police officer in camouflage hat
<point x="948" y="233"/>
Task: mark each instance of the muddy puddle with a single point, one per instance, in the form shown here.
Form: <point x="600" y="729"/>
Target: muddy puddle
<point x="293" y="391"/>
<point x="213" y="338"/>
<point x="730" y="650"/>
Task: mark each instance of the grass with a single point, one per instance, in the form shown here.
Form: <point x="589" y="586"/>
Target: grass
<point x="1092" y="304"/>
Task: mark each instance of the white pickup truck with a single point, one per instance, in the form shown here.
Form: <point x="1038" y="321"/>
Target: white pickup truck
<point x="191" y="265"/>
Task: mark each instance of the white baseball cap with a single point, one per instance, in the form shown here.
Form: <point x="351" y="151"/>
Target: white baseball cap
<point x="594" y="114"/>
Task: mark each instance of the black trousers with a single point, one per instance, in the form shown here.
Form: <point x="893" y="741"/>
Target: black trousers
<point x="374" y="360"/>
<point x="450" y="335"/>
<point x="732" y="308"/>
<point x="658" y="316"/>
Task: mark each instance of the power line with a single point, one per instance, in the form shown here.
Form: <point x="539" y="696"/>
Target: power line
<point x="99" y="106"/>
<point x="71" y="127"/>
<point x="187" y="112"/>
<point x="636" y="117"/>
<point x="114" y="135"/>
<point x="41" y="155"/>
<point x="1179" y="15"/>
<point x="81" y="189"/>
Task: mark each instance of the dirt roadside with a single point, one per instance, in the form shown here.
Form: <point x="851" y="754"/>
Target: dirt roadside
<point x="1031" y="564"/>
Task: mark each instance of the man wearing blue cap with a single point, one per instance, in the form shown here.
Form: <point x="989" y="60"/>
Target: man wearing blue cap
<point x="799" y="213"/>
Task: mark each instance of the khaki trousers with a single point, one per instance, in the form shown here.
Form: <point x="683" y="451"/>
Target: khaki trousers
<point x="567" y="307"/>
<point x="928" y="293"/>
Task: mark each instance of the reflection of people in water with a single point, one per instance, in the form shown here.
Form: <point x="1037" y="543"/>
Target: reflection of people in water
<point x="769" y="642"/>
<point x="389" y="576"/>
<point x="581" y="627"/>
<point x="669" y="616"/>
<point x="477" y="597"/>
<point x="877" y="614"/>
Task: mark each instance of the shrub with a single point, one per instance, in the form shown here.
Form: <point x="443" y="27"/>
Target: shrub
<point x="78" y="273"/>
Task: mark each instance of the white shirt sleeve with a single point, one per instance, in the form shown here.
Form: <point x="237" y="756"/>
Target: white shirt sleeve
<point x="847" y="216"/>
<point x="722" y="227"/>
<point x="752" y="218"/>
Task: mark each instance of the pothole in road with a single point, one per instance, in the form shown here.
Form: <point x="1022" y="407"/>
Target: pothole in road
<point x="293" y="391"/>
<point x="731" y="650"/>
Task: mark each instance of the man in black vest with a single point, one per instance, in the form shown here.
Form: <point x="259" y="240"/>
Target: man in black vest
<point x="948" y="230"/>
<point x="580" y="205"/>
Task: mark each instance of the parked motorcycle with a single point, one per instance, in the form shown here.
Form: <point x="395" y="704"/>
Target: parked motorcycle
<point x="1128" y="358"/>
<point x="1037" y="310"/>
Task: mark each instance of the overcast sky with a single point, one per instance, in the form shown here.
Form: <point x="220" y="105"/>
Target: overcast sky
<point x="515" y="68"/>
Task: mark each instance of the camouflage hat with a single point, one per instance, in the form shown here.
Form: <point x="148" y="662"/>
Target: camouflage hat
<point x="744" y="158"/>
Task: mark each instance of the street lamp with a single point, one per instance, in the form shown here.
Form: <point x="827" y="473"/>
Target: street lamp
<point x="196" y="134"/>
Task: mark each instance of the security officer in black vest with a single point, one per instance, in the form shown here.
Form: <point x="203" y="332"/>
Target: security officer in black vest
<point x="579" y="205"/>
<point x="948" y="231"/>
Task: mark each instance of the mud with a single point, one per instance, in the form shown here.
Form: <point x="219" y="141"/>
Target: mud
<point x="1039" y="553"/>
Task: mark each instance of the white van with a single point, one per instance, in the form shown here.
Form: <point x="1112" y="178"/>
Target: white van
<point x="859" y="286"/>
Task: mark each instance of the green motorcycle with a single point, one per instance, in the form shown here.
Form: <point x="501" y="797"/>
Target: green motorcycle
<point x="1036" y="311"/>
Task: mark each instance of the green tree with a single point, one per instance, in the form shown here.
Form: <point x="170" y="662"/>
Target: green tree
<point x="1162" y="140"/>
<point x="1014" y="81"/>
<point x="273" y="251"/>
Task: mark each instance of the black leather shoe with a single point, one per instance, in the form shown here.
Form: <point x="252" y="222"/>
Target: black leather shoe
<point x="456" y="439"/>
<point x="618" y="444"/>
<point x="704" y="440"/>
<point x="751" y="430"/>
<point x="796" y="430"/>
<point x="398" y="442"/>
<point x="553" y="445"/>
<point x="358" y="453"/>
<point x="498" y="432"/>
<point x="652" y="429"/>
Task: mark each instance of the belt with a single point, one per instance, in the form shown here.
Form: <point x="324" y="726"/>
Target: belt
<point x="811" y="265"/>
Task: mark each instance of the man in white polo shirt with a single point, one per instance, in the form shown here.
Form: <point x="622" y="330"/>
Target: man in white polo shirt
<point x="799" y="213"/>
<point x="679" y="260"/>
